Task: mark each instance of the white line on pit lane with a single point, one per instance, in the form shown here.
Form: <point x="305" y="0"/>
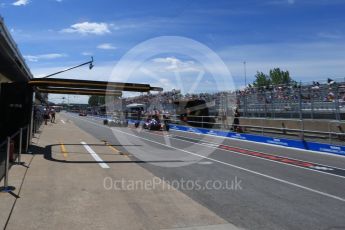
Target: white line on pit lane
<point x="241" y="168"/>
<point x="313" y="169"/>
<point x="228" y="164"/>
<point x="205" y="163"/>
<point x="95" y="156"/>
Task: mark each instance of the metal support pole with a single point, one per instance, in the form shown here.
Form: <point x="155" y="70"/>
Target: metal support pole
<point x="329" y="133"/>
<point x="311" y="103"/>
<point x="37" y="125"/>
<point x="262" y="126"/>
<point x="272" y="105"/>
<point x="245" y="73"/>
<point x="20" y="145"/>
<point x="31" y="119"/>
<point x="300" y="102"/>
<point x="27" y="138"/>
<point x="302" y="129"/>
<point x="336" y="103"/>
<point x="34" y="128"/>
<point x="31" y="134"/>
<point x="7" y="161"/>
<point x="7" y="188"/>
<point x="245" y="105"/>
<point x="265" y="98"/>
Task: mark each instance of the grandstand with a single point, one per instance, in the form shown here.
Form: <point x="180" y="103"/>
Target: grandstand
<point x="303" y="111"/>
<point x="308" y="101"/>
<point x="166" y="101"/>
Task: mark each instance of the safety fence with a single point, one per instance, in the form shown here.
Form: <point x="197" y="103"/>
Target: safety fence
<point x="10" y="152"/>
<point x="297" y="144"/>
<point x="321" y="141"/>
<point x="333" y="135"/>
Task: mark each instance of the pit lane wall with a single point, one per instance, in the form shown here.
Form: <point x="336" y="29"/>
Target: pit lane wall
<point x="298" y="144"/>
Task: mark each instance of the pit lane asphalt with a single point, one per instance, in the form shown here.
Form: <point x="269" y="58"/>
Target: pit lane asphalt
<point x="262" y="202"/>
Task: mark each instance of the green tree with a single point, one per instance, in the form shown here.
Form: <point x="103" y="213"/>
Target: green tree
<point x="261" y="80"/>
<point x="95" y="100"/>
<point x="275" y="77"/>
<point x="280" y="77"/>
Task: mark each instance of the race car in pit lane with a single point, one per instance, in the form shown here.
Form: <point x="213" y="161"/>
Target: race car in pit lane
<point x="82" y="114"/>
<point x="118" y="121"/>
<point x="154" y="123"/>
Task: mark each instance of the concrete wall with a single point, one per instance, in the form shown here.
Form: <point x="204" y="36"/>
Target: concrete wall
<point x="313" y="125"/>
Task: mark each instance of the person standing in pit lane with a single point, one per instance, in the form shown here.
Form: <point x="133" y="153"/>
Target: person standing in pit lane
<point x="52" y="113"/>
<point x="236" y="122"/>
<point x="46" y="115"/>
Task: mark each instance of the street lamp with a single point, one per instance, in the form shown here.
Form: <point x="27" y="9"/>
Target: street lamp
<point x="90" y="63"/>
<point x="245" y="73"/>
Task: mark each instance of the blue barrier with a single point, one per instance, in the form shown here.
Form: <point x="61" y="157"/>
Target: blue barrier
<point x="299" y="144"/>
<point x="131" y="122"/>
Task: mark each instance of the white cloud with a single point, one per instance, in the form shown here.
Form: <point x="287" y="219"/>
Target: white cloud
<point x="21" y="3"/>
<point x="36" y="58"/>
<point x="329" y="35"/>
<point x="88" y="28"/>
<point x="86" y="53"/>
<point x="175" y="64"/>
<point x="307" y="2"/>
<point x="106" y="46"/>
<point x="281" y="2"/>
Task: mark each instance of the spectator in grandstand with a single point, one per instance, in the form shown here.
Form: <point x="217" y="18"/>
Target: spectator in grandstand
<point x="330" y="81"/>
<point x="330" y="97"/>
<point x="316" y="85"/>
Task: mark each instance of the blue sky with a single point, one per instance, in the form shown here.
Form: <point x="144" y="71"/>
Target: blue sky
<point x="305" y="37"/>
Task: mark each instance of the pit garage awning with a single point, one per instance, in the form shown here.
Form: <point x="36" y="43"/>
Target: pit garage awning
<point x="85" y="87"/>
<point x="12" y="64"/>
<point x="81" y="91"/>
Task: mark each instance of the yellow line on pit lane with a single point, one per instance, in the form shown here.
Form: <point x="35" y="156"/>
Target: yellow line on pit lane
<point x="116" y="150"/>
<point x="63" y="150"/>
<point x="113" y="148"/>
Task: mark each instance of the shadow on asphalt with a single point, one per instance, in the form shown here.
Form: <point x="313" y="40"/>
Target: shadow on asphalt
<point x="47" y="153"/>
